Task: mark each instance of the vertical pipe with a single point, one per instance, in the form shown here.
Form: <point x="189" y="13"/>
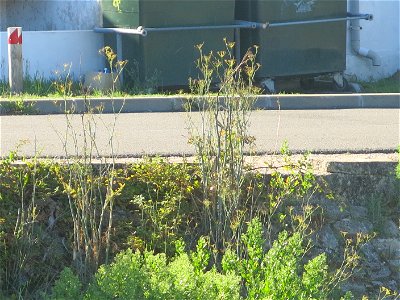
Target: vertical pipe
<point x="355" y="29"/>
<point x="237" y="45"/>
<point x="119" y="55"/>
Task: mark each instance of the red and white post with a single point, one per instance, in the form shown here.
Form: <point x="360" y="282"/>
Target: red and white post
<point x="15" y="66"/>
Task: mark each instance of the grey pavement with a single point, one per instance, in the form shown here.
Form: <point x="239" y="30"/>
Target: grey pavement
<point x="137" y="134"/>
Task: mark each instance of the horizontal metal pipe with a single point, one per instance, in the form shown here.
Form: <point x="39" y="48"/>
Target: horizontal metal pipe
<point x="249" y="25"/>
<point x="348" y="18"/>
<point x="144" y="30"/>
<point x="238" y="24"/>
<point x="136" y="31"/>
<point x="252" y="25"/>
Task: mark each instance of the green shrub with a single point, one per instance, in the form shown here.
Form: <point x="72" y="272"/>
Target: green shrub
<point x="278" y="273"/>
<point x="135" y="275"/>
<point x="67" y="286"/>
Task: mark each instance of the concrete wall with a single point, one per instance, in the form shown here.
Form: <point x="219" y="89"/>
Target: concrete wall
<point x="44" y="15"/>
<point x="381" y="35"/>
<point x="45" y="52"/>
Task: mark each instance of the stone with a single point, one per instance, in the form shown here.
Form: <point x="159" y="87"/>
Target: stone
<point x="357" y="288"/>
<point x="331" y="210"/>
<point x="376" y="284"/>
<point x="382" y="273"/>
<point x="392" y="285"/>
<point x="352" y="227"/>
<point x="394" y="266"/>
<point x="388" y="249"/>
<point x="362" y="168"/>
<point x="390" y="229"/>
<point x="370" y="254"/>
<point x="358" y="212"/>
<point x="328" y="239"/>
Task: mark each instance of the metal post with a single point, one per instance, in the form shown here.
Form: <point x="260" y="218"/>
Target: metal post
<point x="119" y="55"/>
<point x="15" y="67"/>
<point x="237" y="45"/>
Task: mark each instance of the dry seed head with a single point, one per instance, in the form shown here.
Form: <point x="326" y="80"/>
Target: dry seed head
<point x="221" y="53"/>
<point x="230" y="44"/>
<point x="199" y="46"/>
<point x="230" y="62"/>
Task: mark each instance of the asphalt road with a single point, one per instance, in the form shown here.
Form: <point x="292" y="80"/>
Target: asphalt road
<point x="137" y="134"/>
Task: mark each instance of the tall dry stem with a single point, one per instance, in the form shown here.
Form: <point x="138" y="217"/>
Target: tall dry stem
<point x="89" y="181"/>
<point x="222" y="139"/>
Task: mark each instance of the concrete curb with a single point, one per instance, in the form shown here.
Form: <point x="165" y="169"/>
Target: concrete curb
<point x="175" y="103"/>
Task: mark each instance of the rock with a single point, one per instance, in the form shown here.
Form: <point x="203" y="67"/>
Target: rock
<point x="371" y="256"/>
<point x="390" y="229"/>
<point x="357" y="288"/>
<point x="394" y="266"/>
<point x="328" y="239"/>
<point x="352" y="227"/>
<point x="358" y="212"/>
<point x="362" y="168"/>
<point x="380" y="274"/>
<point x="392" y="285"/>
<point x="388" y="249"/>
<point x="376" y="284"/>
<point x="331" y="210"/>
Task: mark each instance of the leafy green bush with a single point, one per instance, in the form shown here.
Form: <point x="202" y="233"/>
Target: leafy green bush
<point x="278" y="273"/>
<point x="67" y="286"/>
<point x="134" y="275"/>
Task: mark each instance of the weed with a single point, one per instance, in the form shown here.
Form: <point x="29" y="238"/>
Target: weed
<point x="161" y="191"/>
<point x="116" y="67"/>
<point x="222" y="139"/>
<point x="26" y="212"/>
<point x="63" y="82"/>
<point x="91" y="190"/>
<point x="16" y="106"/>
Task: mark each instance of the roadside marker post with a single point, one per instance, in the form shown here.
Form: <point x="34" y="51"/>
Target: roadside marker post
<point x="15" y="66"/>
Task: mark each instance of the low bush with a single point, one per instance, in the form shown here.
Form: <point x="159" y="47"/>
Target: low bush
<point x="277" y="273"/>
<point x="135" y="275"/>
<point x="280" y="272"/>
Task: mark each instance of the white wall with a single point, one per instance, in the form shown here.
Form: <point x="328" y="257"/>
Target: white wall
<point x="45" y="52"/>
<point x="382" y="36"/>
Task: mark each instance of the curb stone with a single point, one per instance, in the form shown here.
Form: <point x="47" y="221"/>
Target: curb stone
<point x="176" y="103"/>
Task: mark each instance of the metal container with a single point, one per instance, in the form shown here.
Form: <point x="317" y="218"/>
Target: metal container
<point x="292" y="49"/>
<point x="168" y="56"/>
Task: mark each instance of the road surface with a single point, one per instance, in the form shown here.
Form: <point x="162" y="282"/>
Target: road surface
<point x="137" y="134"/>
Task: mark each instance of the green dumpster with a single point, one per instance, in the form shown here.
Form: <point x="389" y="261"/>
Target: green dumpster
<point x="169" y="55"/>
<point x="295" y="50"/>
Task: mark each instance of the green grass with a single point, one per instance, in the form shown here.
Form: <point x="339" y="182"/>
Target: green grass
<point x="387" y="85"/>
<point x="38" y="88"/>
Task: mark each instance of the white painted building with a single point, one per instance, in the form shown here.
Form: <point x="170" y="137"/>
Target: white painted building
<point x="381" y="35"/>
<point x="59" y="32"/>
